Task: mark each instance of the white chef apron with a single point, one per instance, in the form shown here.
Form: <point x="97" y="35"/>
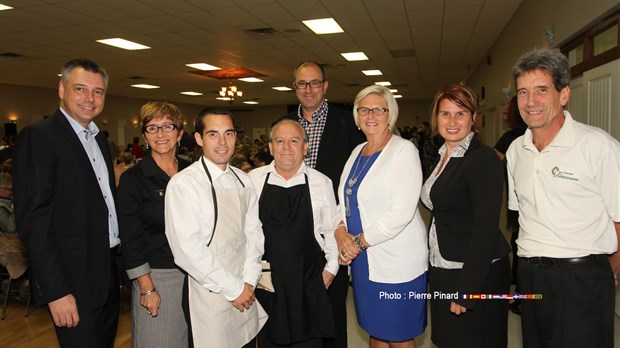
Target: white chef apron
<point x="215" y="322"/>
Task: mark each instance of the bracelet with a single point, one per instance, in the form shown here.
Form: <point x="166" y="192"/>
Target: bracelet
<point x="359" y="243"/>
<point x="148" y="292"/>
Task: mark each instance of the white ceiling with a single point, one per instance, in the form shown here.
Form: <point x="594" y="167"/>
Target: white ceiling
<point x="450" y="38"/>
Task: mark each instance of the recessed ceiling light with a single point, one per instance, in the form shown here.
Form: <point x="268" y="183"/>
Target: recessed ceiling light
<point x="202" y="66"/>
<point x="250" y="79"/>
<point x="323" y="26"/>
<point x="193" y="94"/>
<point x="354" y="56"/>
<point x="282" y="89"/>
<point x="251" y="102"/>
<point x="372" y="72"/>
<point x="5" y="7"/>
<point x="124" y="44"/>
<point x="394" y="91"/>
<point x="397" y="96"/>
<point x="145" y="86"/>
<point x="383" y="83"/>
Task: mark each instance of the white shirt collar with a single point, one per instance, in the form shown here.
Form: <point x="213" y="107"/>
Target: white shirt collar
<point x="303" y="169"/>
<point x="215" y="170"/>
<point x="78" y="128"/>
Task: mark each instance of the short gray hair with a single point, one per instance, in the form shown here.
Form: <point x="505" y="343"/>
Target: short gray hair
<point x="289" y="121"/>
<point x="385" y="94"/>
<point x="550" y="60"/>
<point x="86" y="64"/>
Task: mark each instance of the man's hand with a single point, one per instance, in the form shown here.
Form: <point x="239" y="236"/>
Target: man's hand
<point x="328" y="278"/>
<point x="245" y="300"/>
<point x="65" y="312"/>
<point x="614" y="261"/>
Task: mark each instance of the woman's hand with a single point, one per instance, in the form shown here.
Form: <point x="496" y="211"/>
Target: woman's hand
<point x="457" y="309"/>
<point x="151" y="301"/>
<point x="347" y="250"/>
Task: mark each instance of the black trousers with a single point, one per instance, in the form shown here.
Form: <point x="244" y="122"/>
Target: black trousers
<point x="577" y="305"/>
<point x="338" y="295"/>
<point x="98" y="325"/>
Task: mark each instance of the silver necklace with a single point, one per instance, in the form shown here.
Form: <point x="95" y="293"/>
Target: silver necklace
<point x="356" y="174"/>
<point x="353" y="181"/>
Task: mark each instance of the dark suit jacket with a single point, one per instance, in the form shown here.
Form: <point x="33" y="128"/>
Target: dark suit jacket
<point x="140" y="205"/>
<point x="61" y="215"/>
<point x="340" y="136"/>
<point x="467" y="199"/>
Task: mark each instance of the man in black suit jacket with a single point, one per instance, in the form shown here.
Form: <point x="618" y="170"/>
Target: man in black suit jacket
<point x="64" y="204"/>
<point x="332" y="136"/>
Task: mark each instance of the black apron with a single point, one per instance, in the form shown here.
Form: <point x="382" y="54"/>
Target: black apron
<point x="300" y="308"/>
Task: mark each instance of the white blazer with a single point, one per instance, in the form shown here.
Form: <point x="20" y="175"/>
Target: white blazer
<point x="388" y="204"/>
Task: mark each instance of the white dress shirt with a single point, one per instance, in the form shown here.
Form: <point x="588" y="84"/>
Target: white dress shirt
<point x="88" y="141"/>
<point x="325" y="212"/>
<point x="189" y="216"/>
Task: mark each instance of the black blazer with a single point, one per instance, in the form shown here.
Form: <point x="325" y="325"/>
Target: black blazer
<point x="340" y="136"/>
<point x="467" y="199"/>
<point x="61" y="214"/>
<point x="140" y="205"/>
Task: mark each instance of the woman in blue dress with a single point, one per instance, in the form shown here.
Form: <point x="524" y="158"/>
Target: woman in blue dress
<point x="382" y="236"/>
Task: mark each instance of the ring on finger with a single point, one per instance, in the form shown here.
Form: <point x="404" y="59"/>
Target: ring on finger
<point x="148" y="311"/>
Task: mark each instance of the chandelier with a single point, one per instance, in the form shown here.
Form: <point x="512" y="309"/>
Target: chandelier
<point x="230" y="92"/>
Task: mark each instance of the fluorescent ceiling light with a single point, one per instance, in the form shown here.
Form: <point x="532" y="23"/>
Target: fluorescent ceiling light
<point x="251" y="102"/>
<point x="372" y="72"/>
<point x="250" y="79"/>
<point x="124" y="44"/>
<point x="145" y="86"/>
<point x="5" y="7"/>
<point x="354" y="56"/>
<point x="396" y="96"/>
<point x="223" y="98"/>
<point x="282" y="89"/>
<point x="394" y="91"/>
<point x="323" y="26"/>
<point x="191" y="93"/>
<point x="383" y="83"/>
<point x="202" y="66"/>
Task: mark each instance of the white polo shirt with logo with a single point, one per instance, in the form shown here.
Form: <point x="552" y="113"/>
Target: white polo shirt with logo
<point x="567" y="195"/>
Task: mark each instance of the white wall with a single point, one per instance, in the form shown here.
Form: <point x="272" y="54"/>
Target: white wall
<point x="525" y="31"/>
<point x="30" y="104"/>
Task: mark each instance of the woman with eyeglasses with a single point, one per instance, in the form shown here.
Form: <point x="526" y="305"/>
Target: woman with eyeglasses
<point x="468" y="252"/>
<point x="157" y="315"/>
<point x="382" y="236"/>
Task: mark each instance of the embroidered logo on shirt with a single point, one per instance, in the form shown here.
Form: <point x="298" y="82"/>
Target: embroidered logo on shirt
<point x="557" y="173"/>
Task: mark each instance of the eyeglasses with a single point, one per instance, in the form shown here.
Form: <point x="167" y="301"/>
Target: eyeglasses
<point x="304" y="84"/>
<point x="166" y="128"/>
<point x="375" y="111"/>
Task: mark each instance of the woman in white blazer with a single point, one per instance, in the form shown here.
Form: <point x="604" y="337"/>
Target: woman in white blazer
<point x="382" y="236"/>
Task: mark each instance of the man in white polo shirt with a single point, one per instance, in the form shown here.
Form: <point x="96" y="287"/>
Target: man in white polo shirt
<point x="564" y="180"/>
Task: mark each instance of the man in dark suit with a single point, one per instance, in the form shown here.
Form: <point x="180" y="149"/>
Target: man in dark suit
<point x="66" y="217"/>
<point x="332" y="136"/>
